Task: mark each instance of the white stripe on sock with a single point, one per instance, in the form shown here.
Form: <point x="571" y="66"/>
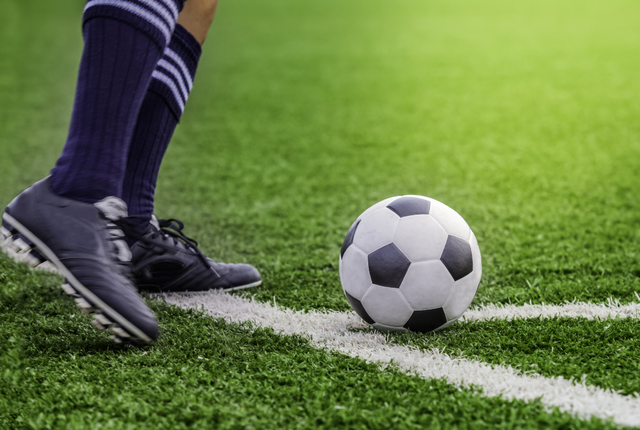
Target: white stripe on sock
<point x="172" y="86"/>
<point x="161" y="9"/>
<point x="170" y="4"/>
<point x="177" y="75"/>
<point x="138" y="11"/>
<point x="175" y="57"/>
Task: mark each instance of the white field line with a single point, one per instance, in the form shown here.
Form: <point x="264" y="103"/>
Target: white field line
<point x="612" y="309"/>
<point x="332" y="331"/>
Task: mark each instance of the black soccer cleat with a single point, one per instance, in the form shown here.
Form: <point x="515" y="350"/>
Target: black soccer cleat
<point x="81" y="242"/>
<point x="165" y="260"/>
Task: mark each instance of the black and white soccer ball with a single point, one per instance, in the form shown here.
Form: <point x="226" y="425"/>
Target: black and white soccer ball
<point x="410" y="263"/>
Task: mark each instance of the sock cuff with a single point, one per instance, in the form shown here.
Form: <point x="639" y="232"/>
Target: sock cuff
<point x="186" y="45"/>
<point x="156" y="18"/>
<point x="173" y="77"/>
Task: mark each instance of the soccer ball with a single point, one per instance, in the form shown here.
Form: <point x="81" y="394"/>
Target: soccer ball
<point x="410" y="263"/>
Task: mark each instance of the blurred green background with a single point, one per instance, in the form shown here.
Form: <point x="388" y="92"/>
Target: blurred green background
<point x="522" y="116"/>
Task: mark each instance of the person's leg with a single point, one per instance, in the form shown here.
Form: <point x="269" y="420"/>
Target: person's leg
<point x="70" y="219"/>
<point x="163" y="258"/>
<point x="163" y="105"/>
<point x="197" y="17"/>
<point x="161" y="111"/>
<point x="124" y="39"/>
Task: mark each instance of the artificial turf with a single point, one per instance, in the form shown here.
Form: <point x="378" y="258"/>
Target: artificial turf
<point x="503" y="113"/>
<point x="57" y="372"/>
<point x="597" y="352"/>
<point x="522" y="117"/>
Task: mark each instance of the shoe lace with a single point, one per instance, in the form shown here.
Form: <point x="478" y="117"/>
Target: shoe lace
<point x="170" y="230"/>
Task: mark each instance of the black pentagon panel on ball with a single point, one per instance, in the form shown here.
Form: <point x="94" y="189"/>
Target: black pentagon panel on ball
<point x="357" y="306"/>
<point x="457" y="257"/>
<point x="426" y="321"/>
<point x="407" y="206"/>
<point x="349" y="239"/>
<point x="387" y="266"/>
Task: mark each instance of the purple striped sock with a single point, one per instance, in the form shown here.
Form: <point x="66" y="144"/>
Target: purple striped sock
<point x="123" y="41"/>
<point x="160" y="113"/>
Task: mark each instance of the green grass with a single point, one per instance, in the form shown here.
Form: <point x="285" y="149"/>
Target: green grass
<point x="204" y="373"/>
<point x="521" y="121"/>
<point x="522" y="117"/>
<point x="601" y="352"/>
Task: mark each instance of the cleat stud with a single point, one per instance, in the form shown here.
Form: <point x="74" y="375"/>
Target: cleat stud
<point x="97" y="325"/>
<point x="118" y="331"/>
<point x="6" y="234"/>
<point x="11" y="245"/>
<point x="18" y="258"/>
<point x="46" y="265"/>
<point x="68" y="289"/>
<point x="115" y="339"/>
<point x="84" y="305"/>
<point x="37" y="255"/>
<point x="31" y="260"/>
<point x="103" y="320"/>
<point x="21" y="246"/>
